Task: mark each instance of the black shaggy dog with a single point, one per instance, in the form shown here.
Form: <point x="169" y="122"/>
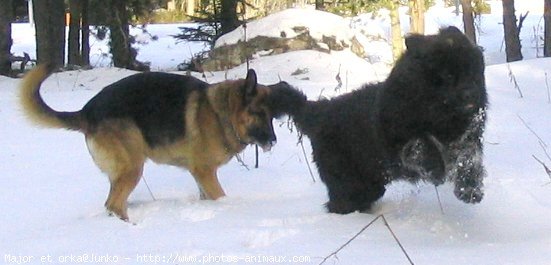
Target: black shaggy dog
<point x="425" y="122"/>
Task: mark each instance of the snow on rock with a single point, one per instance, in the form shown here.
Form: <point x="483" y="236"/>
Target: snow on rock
<point x="297" y="29"/>
<point x="284" y="24"/>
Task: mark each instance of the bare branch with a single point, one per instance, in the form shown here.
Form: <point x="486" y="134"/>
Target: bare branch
<point x="339" y="80"/>
<point x="149" y="189"/>
<point x="300" y="140"/>
<point x="544" y="145"/>
<point x="334" y="253"/>
<point x="438" y="197"/>
<point x="521" y="20"/>
<point x="548" y="91"/>
<point x="513" y="80"/>
<point x="397" y="240"/>
<point x="547" y="170"/>
<point x="240" y="160"/>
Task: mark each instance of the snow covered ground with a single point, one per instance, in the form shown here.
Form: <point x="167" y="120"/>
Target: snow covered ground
<point x="51" y="194"/>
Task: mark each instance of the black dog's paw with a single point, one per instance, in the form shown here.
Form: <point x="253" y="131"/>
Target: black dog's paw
<point x="469" y="194"/>
<point x="340" y="207"/>
<point x="346" y="207"/>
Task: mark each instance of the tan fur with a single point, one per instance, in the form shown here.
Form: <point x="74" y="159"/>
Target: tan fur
<point x="28" y="88"/>
<point x="215" y="130"/>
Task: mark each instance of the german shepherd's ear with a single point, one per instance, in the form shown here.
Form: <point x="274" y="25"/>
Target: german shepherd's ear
<point x="250" y="86"/>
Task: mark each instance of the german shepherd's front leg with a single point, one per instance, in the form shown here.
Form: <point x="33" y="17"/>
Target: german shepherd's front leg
<point x="208" y="183"/>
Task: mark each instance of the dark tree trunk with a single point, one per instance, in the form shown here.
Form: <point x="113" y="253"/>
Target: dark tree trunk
<point x="468" y="20"/>
<point x="5" y="36"/>
<point x="73" y="45"/>
<point x="120" y="41"/>
<point x="320" y="5"/>
<point x="511" y="32"/>
<point x="85" y="34"/>
<point x="49" y="16"/>
<point x="228" y="16"/>
<point x="547" y="35"/>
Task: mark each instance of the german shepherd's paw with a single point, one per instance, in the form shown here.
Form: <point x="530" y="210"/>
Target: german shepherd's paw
<point x="118" y="212"/>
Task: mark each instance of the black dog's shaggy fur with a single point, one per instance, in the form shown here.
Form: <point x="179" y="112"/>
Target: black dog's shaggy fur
<point x="425" y="122"/>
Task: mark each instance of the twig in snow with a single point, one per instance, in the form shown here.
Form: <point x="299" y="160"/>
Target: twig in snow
<point x="438" y="197"/>
<point x="339" y="80"/>
<point x="547" y="170"/>
<point x="513" y="80"/>
<point x="306" y="157"/>
<point x="334" y="253"/>
<point x="255" y="156"/>
<point x="238" y="157"/>
<point x="149" y="189"/>
<point x="397" y="240"/>
<point x="545" y="150"/>
<point x="542" y="143"/>
<point x="548" y="91"/>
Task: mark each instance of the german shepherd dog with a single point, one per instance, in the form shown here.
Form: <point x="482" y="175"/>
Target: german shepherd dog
<point x="425" y="122"/>
<point x="168" y="118"/>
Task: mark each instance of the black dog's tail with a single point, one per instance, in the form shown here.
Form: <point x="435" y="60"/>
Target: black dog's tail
<point x="286" y="100"/>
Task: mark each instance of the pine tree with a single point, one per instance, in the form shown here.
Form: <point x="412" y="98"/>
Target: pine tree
<point x="216" y="18"/>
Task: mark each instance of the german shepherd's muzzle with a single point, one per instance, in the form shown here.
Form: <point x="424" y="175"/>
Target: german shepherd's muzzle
<point x="168" y="118"/>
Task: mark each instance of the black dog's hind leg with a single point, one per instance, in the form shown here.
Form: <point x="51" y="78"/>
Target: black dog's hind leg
<point x="468" y="171"/>
<point x="348" y="189"/>
<point x="349" y="197"/>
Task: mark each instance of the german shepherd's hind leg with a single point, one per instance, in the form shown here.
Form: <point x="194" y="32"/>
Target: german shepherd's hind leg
<point x="120" y="155"/>
<point x="121" y="186"/>
<point x="206" y="179"/>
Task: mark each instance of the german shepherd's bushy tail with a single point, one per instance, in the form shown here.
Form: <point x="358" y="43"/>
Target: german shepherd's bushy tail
<point x="37" y="110"/>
